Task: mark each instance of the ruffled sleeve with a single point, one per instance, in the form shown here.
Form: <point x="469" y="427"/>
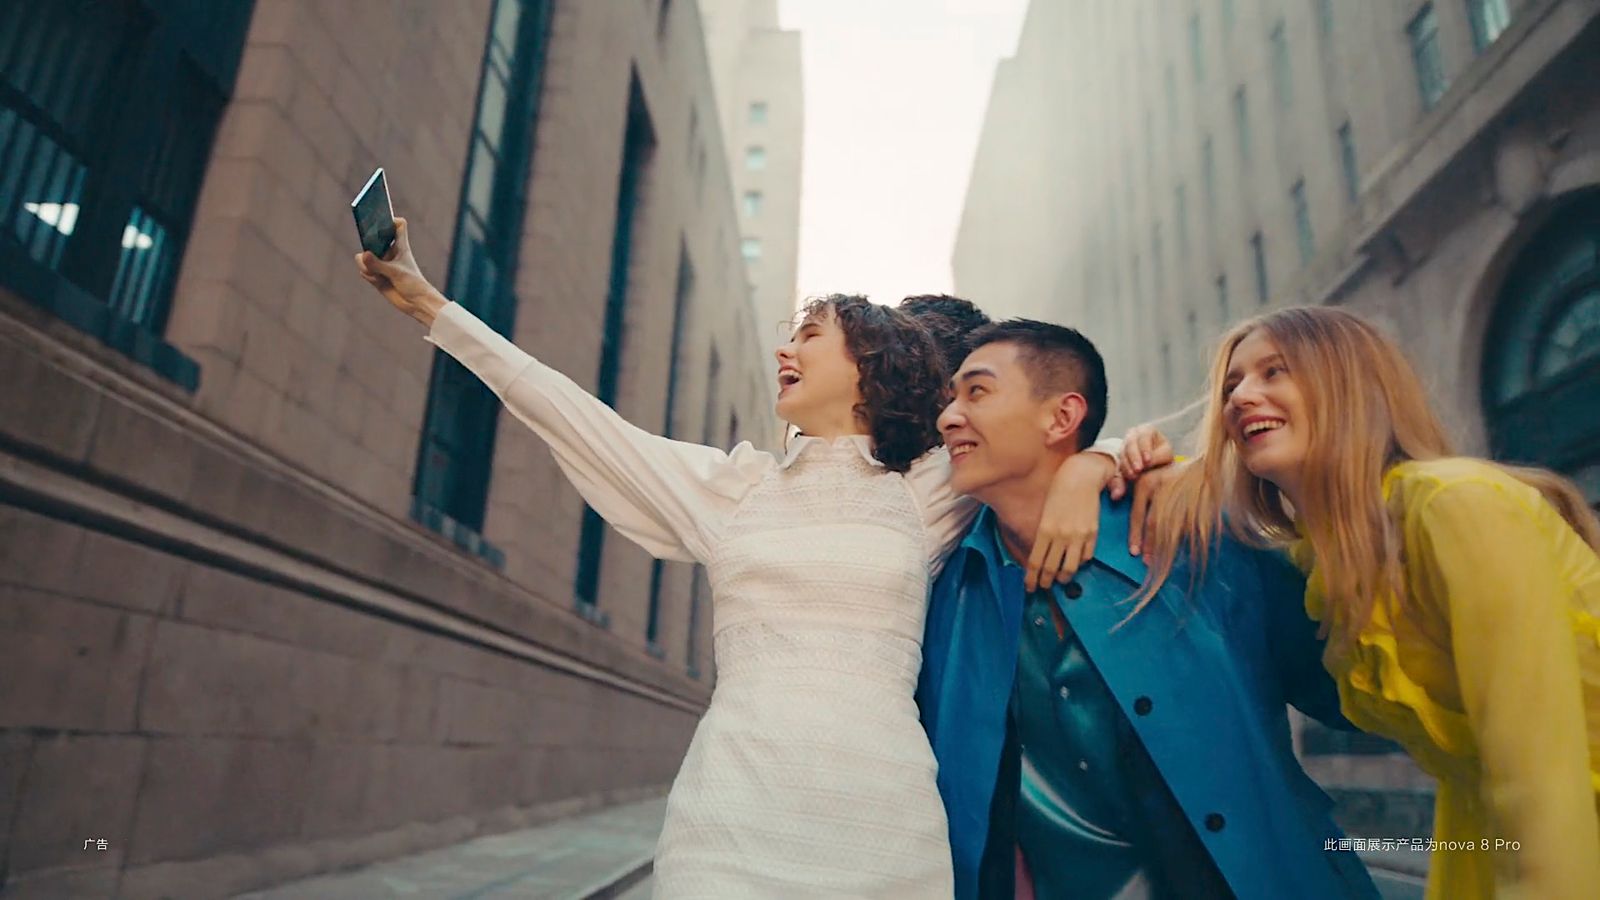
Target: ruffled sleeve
<point x="1479" y="549"/>
<point x="669" y="497"/>
<point x="946" y="515"/>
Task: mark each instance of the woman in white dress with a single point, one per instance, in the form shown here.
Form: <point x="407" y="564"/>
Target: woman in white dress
<point x="810" y="774"/>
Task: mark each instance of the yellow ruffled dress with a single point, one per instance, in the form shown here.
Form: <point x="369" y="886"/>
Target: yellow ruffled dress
<point x="1490" y="680"/>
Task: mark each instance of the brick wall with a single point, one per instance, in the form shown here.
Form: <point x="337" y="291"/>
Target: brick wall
<point x="224" y="647"/>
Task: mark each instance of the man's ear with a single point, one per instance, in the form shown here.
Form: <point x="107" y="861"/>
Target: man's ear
<point x="1065" y="419"/>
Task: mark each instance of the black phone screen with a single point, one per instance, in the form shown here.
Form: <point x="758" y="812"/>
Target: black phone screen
<point x="375" y="215"/>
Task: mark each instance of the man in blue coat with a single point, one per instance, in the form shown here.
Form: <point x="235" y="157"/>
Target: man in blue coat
<point x="1087" y="752"/>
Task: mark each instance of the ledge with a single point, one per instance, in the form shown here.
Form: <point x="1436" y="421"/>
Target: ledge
<point x="64" y="300"/>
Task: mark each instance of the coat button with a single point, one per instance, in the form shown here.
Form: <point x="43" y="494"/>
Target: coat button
<point x="1142" y="706"/>
<point x="1066" y="692"/>
<point x="1038" y="621"/>
<point x="1215" y="822"/>
<point x="1074" y="590"/>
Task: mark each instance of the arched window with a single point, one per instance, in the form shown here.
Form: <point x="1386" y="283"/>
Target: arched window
<point x="1542" y="357"/>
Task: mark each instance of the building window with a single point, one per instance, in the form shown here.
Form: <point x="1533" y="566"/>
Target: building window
<point x="1208" y="171"/>
<point x="755" y="158"/>
<point x="106" y="125"/>
<point x="1241" y="123"/>
<point x="752" y="203"/>
<point x="1427" y="56"/>
<point x="750" y="249"/>
<point x="1282" y="78"/>
<point x="669" y="428"/>
<point x="701" y="587"/>
<point x="1302" y="221"/>
<point x="1197" y="58"/>
<point x="1230" y="14"/>
<point x="1258" y="253"/>
<point x="638" y="146"/>
<point x="758" y="113"/>
<point x="1222" y="299"/>
<point x="1149" y="142"/>
<point x="1172" y="97"/>
<point x="1347" y="161"/>
<point x="1489" y="19"/>
<point x="1542" y="351"/>
<point x="458" y="433"/>
<point x="663" y="16"/>
<point x="1325" y="18"/>
<point x="1158" y="263"/>
<point x="1192" y="321"/>
<point x="1138" y="284"/>
<point x="1181" y="211"/>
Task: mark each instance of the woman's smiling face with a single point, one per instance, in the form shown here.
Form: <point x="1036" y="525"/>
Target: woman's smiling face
<point x="819" y="384"/>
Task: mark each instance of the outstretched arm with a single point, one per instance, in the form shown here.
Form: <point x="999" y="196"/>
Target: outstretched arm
<point x="667" y="496"/>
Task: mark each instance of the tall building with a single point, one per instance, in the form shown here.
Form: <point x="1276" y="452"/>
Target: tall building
<point x="757" y="69"/>
<point x="281" y="588"/>
<point x="1154" y="171"/>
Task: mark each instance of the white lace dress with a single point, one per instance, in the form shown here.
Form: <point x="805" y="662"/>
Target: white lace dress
<point x="810" y="774"/>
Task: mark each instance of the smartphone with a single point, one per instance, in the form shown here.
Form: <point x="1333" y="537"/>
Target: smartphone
<point x="375" y="215"/>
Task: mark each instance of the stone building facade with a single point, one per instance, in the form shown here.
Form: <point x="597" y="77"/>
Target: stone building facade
<point x="1153" y="172"/>
<point x="278" y="592"/>
<point x="1430" y="164"/>
<point x="756" y="66"/>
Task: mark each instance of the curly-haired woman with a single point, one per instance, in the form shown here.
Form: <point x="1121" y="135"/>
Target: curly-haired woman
<point x="809" y="775"/>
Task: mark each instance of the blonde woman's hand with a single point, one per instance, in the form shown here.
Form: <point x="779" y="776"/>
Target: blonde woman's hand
<point x="1071" y="520"/>
<point x="1146" y="491"/>
<point x="1144" y="447"/>
<point x="399" y="279"/>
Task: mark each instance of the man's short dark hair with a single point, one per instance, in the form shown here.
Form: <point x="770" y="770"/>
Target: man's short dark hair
<point x="1058" y="360"/>
<point x="951" y="320"/>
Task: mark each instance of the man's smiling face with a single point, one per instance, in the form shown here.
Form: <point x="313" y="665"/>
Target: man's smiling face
<point x="995" y="427"/>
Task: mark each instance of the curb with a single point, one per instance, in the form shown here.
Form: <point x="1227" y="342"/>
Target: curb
<point x="614" y="883"/>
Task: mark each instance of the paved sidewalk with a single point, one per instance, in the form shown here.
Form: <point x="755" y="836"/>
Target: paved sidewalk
<point x="1399" y="874"/>
<point x="600" y="855"/>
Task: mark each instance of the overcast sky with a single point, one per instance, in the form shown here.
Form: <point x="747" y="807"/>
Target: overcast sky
<point x="895" y="92"/>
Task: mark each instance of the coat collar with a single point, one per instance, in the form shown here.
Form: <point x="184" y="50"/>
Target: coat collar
<point x="1110" y="547"/>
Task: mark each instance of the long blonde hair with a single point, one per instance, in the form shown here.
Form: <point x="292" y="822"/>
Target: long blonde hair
<point x="1367" y="411"/>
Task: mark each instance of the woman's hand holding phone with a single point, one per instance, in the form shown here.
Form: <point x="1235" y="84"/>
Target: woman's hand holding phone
<point x="399" y="279"/>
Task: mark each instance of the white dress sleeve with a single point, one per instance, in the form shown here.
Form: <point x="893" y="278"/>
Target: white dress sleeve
<point x="669" y="497"/>
<point x="946" y="515"/>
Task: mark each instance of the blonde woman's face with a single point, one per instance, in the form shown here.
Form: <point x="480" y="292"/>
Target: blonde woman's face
<point x="1266" y="414"/>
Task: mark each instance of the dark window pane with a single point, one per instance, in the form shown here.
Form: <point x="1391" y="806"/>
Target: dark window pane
<point x="142" y="272"/>
<point x="1574" y="339"/>
<point x="480" y="183"/>
<point x="41" y="186"/>
<point x="507" y="18"/>
<point x="492" y="109"/>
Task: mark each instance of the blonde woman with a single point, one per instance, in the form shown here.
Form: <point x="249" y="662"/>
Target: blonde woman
<point x="1462" y="597"/>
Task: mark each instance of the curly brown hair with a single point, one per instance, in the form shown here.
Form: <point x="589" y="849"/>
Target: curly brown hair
<point x="902" y="375"/>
